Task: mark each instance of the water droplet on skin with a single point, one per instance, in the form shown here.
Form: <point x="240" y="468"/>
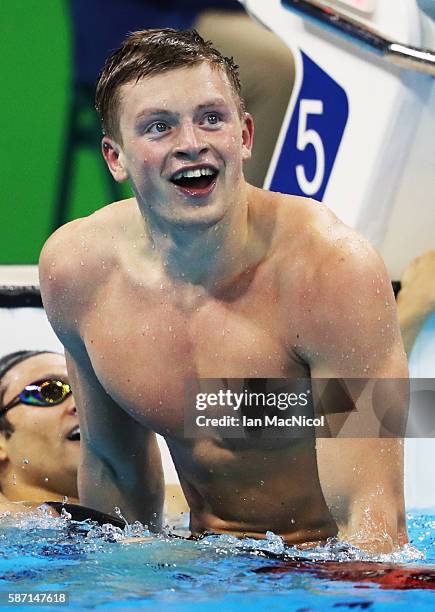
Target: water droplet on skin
<point x="82" y="263"/>
<point x="261" y="483"/>
<point x="26" y="461"/>
<point x="14" y="479"/>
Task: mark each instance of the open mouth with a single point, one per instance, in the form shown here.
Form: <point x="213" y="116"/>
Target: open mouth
<point x="74" y="434"/>
<point x="195" y="181"/>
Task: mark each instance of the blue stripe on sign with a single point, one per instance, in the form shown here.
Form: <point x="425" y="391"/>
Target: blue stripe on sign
<point x="314" y="134"/>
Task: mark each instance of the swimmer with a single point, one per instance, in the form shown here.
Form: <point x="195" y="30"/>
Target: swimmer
<point x="201" y="275"/>
<point x="39" y="431"/>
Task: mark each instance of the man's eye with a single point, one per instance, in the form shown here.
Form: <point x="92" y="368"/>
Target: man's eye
<point x="157" y="128"/>
<point x="212" y="118"/>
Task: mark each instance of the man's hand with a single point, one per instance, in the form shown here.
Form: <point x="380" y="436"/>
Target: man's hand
<point x="416" y="299"/>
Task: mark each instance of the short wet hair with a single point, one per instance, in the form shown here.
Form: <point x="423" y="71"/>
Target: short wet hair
<point x="150" y="52"/>
<point x="7" y="362"/>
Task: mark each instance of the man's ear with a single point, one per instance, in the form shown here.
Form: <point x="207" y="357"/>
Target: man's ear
<point x="113" y="156"/>
<point x="247" y="136"/>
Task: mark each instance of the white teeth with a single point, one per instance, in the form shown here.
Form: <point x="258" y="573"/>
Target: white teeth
<point x="206" y="171"/>
<point x="193" y="173"/>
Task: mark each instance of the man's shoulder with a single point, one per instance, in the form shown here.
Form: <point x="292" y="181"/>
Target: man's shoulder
<point x="79" y="255"/>
<point x="313" y="246"/>
<point x="307" y="224"/>
<point x="86" y="238"/>
<point x="293" y="212"/>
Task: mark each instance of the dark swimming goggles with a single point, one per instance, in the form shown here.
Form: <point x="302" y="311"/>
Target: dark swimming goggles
<point x="46" y="392"/>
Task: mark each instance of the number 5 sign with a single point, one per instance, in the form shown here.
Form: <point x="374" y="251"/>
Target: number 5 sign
<point x="313" y="136"/>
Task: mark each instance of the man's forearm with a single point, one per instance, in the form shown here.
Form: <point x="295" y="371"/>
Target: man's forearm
<point x="138" y="498"/>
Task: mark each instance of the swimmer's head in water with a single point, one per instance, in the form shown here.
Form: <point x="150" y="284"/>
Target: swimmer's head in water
<point x="39" y="442"/>
<point x="150" y="52"/>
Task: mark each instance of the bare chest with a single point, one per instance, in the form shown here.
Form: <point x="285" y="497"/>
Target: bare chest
<point x="146" y="345"/>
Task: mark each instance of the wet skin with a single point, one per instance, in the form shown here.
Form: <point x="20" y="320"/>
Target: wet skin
<point x="170" y="286"/>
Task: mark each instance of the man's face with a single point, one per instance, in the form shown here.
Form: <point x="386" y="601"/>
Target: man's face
<point x="183" y="144"/>
<point x="44" y="448"/>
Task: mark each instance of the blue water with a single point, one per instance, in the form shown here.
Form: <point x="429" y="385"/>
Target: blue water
<point x="101" y="571"/>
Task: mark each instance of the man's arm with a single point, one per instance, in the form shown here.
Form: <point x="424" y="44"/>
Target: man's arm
<point x="120" y="461"/>
<point x="416" y="299"/>
<point x="355" y="334"/>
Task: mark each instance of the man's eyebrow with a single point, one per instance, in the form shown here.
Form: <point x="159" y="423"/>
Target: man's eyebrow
<point x="162" y="112"/>
<point x="215" y="102"/>
<point x="152" y="112"/>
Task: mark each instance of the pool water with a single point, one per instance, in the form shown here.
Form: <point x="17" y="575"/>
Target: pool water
<point x="101" y="571"/>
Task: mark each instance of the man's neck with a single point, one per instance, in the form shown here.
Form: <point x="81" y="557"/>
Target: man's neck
<point x="206" y="256"/>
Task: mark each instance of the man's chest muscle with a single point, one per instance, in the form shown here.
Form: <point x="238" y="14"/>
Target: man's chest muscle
<point x="144" y="350"/>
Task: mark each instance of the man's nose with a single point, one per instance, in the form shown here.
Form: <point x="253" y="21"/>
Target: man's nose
<point x="190" y="143"/>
